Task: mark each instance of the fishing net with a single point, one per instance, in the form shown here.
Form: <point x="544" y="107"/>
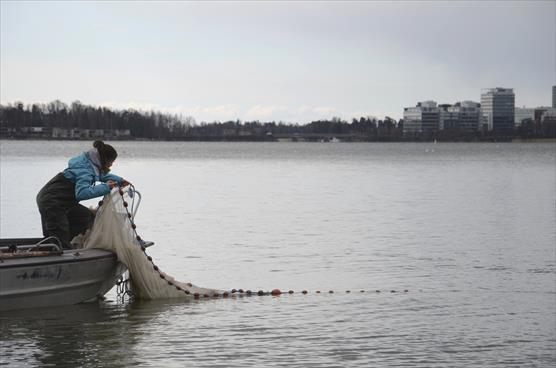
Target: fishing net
<point x="113" y="230"/>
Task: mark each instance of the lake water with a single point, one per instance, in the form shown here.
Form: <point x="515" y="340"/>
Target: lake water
<point x="467" y="229"/>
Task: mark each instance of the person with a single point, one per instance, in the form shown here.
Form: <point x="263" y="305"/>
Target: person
<point x="61" y="214"/>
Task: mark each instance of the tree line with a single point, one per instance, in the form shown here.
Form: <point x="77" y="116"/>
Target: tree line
<point x="56" y="114"/>
<point x="16" y="118"/>
<point x="363" y="129"/>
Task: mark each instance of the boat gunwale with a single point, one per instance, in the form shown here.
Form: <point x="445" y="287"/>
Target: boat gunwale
<point x="79" y="255"/>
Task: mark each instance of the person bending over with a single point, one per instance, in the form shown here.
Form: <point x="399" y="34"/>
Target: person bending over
<point x="61" y="214"/>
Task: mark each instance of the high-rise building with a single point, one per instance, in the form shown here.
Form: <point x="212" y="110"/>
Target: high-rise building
<point x="497" y="105"/>
<point x="554" y="97"/>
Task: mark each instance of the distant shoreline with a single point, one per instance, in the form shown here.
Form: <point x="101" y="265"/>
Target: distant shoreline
<point x="285" y="140"/>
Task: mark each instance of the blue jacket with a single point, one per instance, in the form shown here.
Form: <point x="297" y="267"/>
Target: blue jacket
<point x="80" y="172"/>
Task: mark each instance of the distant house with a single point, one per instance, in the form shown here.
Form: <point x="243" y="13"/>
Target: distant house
<point x="96" y="133"/>
<point x="229" y="132"/>
<point x="36" y="132"/>
<point x="65" y="133"/>
<point x="245" y="133"/>
<point x="121" y="133"/>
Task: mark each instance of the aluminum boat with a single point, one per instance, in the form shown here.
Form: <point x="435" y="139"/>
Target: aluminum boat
<point x="36" y="272"/>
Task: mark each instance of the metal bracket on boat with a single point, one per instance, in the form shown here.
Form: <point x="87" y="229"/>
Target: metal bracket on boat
<point x="45" y="247"/>
<point x="52" y="242"/>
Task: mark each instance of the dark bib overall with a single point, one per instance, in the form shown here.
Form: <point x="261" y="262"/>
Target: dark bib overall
<point x="61" y="215"/>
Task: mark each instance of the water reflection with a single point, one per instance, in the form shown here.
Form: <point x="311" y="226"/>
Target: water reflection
<point x="92" y="334"/>
<point x="103" y="334"/>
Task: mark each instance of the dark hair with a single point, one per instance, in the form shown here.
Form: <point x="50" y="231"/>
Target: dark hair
<point x="106" y="152"/>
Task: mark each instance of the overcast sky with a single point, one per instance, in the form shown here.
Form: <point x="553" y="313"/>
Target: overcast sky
<point x="282" y="61"/>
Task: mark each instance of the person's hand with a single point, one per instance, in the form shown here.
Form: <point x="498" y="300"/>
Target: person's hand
<point x="111" y="184"/>
<point x="125" y="183"/>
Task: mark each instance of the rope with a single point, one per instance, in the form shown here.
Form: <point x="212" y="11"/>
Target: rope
<point x="123" y="285"/>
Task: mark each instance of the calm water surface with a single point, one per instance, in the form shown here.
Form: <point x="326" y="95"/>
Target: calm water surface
<point x="467" y="229"/>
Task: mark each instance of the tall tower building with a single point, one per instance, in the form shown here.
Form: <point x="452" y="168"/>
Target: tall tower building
<point x="498" y="109"/>
<point x="554" y="97"/>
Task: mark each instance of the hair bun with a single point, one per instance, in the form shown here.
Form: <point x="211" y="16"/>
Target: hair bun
<point x="107" y="154"/>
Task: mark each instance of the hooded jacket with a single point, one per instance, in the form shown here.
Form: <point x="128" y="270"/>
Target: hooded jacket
<point x="82" y="172"/>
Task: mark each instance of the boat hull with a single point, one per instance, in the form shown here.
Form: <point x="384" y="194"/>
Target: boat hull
<point x="72" y="277"/>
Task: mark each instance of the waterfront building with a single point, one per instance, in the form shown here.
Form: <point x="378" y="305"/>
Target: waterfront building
<point x="423" y="118"/>
<point x="428" y="117"/>
<point x="449" y="117"/>
<point x="460" y="117"/>
<point x="469" y="116"/>
<point x="498" y="109"/>
<point x="523" y="113"/>
<point x="411" y="121"/>
<point x="548" y="122"/>
<point x="548" y="116"/>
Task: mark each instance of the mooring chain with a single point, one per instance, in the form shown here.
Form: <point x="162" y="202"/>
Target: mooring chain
<point x="225" y="294"/>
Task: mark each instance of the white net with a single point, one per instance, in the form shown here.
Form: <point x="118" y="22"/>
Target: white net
<point x="113" y="231"/>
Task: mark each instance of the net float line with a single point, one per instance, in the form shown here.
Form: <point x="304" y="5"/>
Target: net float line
<point x="183" y="287"/>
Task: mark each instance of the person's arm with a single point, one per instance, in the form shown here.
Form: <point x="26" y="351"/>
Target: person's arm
<point x="85" y="190"/>
<point x="118" y="179"/>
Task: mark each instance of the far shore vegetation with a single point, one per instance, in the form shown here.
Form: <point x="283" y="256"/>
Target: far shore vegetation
<point x="57" y="120"/>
